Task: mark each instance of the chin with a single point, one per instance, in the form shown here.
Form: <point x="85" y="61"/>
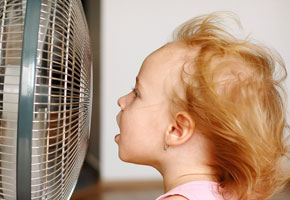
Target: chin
<point x="126" y="158"/>
<point x="135" y="160"/>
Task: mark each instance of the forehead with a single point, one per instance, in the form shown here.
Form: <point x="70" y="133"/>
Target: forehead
<point x="165" y="62"/>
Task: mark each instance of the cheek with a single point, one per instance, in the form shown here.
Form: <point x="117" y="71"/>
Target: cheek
<point x="142" y="127"/>
<point x="133" y="137"/>
<point x="132" y="123"/>
<point x="141" y="135"/>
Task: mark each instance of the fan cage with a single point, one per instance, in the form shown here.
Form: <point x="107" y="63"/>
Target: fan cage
<point x="61" y="109"/>
<point x="11" y="34"/>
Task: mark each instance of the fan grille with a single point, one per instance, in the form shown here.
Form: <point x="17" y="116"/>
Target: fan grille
<point x="61" y="97"/>
<point x="11" y="33"/>
<point x="60" y="126"/>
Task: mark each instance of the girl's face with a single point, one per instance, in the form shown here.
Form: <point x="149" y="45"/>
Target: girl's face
<point x="145" y="117"/>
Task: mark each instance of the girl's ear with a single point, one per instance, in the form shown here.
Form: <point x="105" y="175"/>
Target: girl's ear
<point x="180" y="130"/>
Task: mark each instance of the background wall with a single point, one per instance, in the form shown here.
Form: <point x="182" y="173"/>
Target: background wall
<point x="131" y="29"/>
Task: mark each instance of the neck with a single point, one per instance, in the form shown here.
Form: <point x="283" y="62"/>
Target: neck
<point x="186" y="162"/>
<point x="177" y="177"/>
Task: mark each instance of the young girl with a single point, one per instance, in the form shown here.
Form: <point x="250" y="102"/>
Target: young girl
<point x="208" y="113"/>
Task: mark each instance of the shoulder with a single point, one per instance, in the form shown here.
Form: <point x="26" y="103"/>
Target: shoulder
<point x="175" y="197"/>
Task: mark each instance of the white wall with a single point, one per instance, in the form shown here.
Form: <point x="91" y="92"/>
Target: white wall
<point x="131" y="29"/>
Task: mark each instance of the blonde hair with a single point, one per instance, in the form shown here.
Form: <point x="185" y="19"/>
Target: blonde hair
<point x="238" y="105"/>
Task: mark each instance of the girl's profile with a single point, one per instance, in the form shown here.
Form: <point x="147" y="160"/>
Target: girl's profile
<point x="208" y="112"/>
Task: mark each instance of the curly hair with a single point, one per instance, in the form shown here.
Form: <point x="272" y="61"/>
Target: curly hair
<point x="235" y="95"/>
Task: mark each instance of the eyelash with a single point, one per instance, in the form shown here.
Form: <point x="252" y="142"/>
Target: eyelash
<point x="134" y="90"/>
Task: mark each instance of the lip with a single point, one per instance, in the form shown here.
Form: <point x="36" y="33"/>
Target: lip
<point x="117" y="137"/>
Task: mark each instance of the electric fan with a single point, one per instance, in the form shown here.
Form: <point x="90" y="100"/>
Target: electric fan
<point x="45" y="97"/>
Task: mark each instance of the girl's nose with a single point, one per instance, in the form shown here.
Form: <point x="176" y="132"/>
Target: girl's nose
<point x="121" y="102"/>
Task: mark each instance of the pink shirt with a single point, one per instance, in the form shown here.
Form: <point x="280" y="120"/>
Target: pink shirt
<point x="196" y="190"/>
